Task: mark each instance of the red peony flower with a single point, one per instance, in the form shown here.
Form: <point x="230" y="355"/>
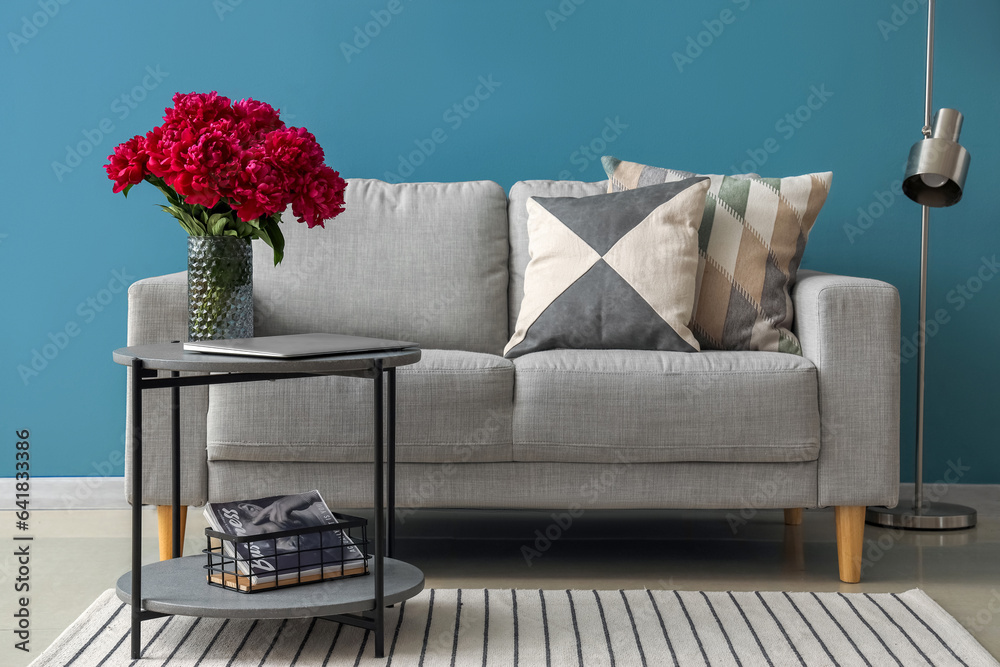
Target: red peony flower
<point x="256" y="117"/>
<point x="208" y="167"/>
<point x="237" y="160"/>
<point x="199" y="109"/>
<point x="321" y="197"/>
<point x="127" y="166"/>
<point x="262" y="190"/>
<point x="294" y="150"/>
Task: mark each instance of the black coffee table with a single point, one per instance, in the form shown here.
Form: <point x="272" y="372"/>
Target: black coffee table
<point x="178" y="586"/>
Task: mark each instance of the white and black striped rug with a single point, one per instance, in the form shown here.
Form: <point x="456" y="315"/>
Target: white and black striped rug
<point x="551" y="627"/>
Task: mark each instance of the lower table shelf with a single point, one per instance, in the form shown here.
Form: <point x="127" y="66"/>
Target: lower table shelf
<point x="178" y="587"/>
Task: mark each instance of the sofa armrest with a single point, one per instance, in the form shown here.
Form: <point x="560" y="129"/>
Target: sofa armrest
<point x="849" y="328"/>
<point x="157" y="313"/>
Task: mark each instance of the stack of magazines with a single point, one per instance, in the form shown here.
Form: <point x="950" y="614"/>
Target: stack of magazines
<point x="276" y="561"/>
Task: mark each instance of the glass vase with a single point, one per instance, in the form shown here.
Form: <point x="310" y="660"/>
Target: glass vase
<point x="220" y="287"/>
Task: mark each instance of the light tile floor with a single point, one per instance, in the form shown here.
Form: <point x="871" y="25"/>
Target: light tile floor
<point x="77" y="554"/>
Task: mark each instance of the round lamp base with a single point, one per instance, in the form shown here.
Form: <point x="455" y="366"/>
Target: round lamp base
<point x="932" y="516"/>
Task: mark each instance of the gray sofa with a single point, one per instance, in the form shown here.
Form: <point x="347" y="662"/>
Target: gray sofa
<point x="443" y="264"/>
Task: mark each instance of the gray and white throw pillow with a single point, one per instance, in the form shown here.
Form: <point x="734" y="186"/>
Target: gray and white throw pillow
<point x="611" y="271"/>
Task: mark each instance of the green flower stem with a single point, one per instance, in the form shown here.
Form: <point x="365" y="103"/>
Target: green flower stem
<point x="220" y="220"/>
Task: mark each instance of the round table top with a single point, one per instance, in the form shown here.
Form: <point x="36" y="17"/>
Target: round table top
<point x="178" y="586"/>
<point x="172" y="357"/>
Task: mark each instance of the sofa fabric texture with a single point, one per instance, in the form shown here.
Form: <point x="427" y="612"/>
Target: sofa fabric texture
<point x="444" y="264"/>
<point x="751" y="242"/>
<point x="543" y="486"/>
<point x="858" y="381"/>
<point x="657" y="407"/>
<point x="425" y="262"/>
<point x="612" y="271"/>
<point x="451" y="406"/>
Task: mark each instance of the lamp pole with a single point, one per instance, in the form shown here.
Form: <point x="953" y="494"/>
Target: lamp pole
<point x="935" y="174"/>
<point x="918" y="480"/>
<point x="929" y="81"/>
<point x="925" y="237"/>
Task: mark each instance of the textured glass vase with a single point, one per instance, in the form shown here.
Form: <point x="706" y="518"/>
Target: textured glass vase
<point x="220" y="287"/>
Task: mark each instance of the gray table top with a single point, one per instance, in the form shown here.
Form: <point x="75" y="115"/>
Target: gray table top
<point x="179" y="587"/>
<point x="172" y="357"/>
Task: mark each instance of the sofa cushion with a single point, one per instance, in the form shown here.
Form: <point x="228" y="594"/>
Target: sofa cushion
<point x="451" y="406"/>
<point x="425" y="262"/>
<point x="539" y="486"/>
<point x="751" y="241"/>
<point x="517" y="215"/>
<point x="593" y="406"/>
<point x="612" y="271"/>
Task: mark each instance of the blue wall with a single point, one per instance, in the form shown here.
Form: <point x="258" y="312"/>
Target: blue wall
<point x="568" y="80"/>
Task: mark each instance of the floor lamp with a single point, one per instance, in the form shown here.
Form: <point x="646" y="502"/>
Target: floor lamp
<point x="935" y="177"/>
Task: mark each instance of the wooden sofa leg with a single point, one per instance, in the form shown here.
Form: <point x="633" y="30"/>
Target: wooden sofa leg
<point x="793" y="516"/>
<point x="163" y="516"/>
<point x="850" y="541"/>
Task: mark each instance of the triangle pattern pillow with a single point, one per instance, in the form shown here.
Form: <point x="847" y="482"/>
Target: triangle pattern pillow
<point x="611" y="271"/>
<point x="750" y="244"/>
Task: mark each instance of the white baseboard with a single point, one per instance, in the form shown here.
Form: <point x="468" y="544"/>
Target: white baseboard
<point x="60" y="493"/>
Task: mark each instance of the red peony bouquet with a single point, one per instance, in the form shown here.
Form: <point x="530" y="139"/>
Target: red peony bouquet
<point x="230" y="169"/>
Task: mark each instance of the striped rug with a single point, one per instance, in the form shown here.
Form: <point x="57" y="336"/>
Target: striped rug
<point x="553" y="627"/>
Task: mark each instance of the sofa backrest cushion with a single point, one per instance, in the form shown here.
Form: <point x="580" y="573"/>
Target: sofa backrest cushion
<point x="518" y="220"/>
<point x="425" y="262"/>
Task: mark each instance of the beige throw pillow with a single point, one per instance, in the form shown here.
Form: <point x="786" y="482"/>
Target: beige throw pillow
<point x="752" y="236"/>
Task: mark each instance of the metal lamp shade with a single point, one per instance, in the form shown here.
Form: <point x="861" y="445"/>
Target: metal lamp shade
<point x="938" y="165"/>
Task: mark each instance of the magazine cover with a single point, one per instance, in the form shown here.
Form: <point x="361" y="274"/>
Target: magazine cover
<point x="269" y="558"/>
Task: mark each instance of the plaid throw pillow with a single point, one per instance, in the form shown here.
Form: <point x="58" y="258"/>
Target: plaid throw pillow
<point x="750" y="243"/>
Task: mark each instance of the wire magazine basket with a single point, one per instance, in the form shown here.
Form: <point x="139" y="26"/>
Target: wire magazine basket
<point x="265" y="561"/>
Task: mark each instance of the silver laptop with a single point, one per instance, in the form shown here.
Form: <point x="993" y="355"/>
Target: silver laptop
<point x="297" y="345"/>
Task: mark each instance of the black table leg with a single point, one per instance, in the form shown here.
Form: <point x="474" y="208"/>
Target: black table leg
<point x="175" y="464"/>
<point x="390" y="432"/>
<point x="379" y="514"/>
<point x="136" y="425"/>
